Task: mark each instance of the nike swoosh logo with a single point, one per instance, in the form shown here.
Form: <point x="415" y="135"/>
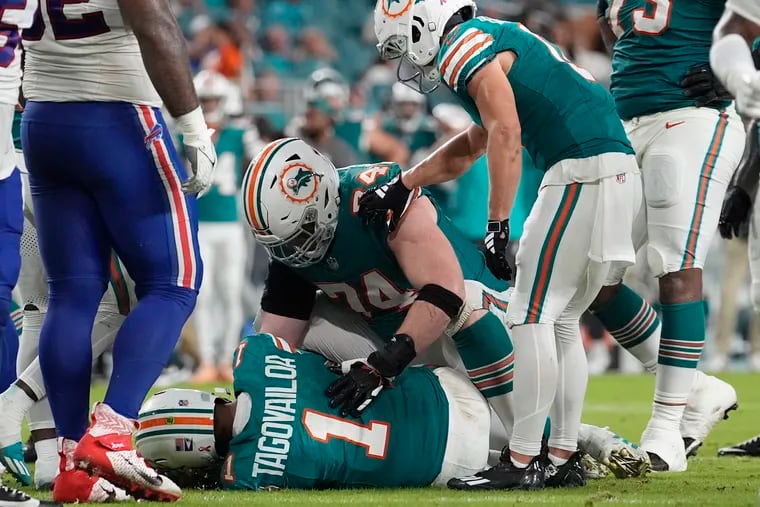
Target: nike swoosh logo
<point x="669" y="125"/>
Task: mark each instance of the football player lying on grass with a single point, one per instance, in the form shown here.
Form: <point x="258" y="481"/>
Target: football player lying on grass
<point x="281" y="431"/>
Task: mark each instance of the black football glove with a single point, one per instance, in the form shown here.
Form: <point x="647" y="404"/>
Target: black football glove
<point x="496" y="241"/>
<point x="734" y="213"/>
<point x="364" y="379"/>
<point x="700" y="84"/>
<point x="377" y="201"/>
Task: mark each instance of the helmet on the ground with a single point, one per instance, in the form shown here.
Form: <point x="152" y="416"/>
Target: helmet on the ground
<point x="429" y="19"/>
<point x="290" y="198"/>
<point x="177" y="430"/>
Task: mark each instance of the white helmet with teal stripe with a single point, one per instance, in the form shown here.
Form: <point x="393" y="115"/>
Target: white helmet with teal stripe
<point x="291" y="197"/>
<point x="177" y="429"/>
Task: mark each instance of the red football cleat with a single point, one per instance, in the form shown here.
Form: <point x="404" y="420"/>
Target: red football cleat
<point x="73" y="485"/>
<point x="106" y="450"/>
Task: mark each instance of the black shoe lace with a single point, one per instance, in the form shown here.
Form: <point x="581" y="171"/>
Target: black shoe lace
<point x="12" y="495"/>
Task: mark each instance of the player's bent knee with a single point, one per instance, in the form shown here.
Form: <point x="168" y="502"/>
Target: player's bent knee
<point x="78" y="292"/>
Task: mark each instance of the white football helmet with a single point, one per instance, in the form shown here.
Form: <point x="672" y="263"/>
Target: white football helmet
<point x="177" y="430"/>
<point x="426" y="29"/>
<point x="291" y="197"/>
<point x="392" y="18"/>
<point x="215" y="93"/>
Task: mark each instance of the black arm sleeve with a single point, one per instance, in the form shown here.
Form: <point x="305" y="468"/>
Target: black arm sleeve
<point x="286" y="294"/>
<point x="601" y="8"/>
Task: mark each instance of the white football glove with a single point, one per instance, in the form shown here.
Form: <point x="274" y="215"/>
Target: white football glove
<point x="200" y="152"/>
<point x="748" y="96"/>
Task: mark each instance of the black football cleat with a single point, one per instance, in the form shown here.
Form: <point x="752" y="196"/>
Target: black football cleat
<point x="504" y="476"/>
<point x="10" y="497"/>
<point x="750" y="449"/>
<point x="569" y="475"/>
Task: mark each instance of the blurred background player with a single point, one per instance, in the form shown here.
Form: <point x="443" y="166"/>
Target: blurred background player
<point x="221" y="234"/>
<point x="99" y="82"/>
<point x="668" y="44"/>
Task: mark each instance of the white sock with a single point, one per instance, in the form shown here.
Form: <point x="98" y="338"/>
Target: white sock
<point x="556" y="460"/>
<point x="28" y="346"/>
<point x="518" y="464"/>
<point x="15" y="404"/>
<point x="671" y="393"/>
<point x="648" y="350"/>
<point x="535" y="384"/>
<point x="567" y="408"/>
<point x="46" y="467"/>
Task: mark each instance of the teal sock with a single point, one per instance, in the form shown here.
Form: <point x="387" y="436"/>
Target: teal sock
<point x="683" y="334"/>
<point x="634" y="324"/>
<point x="487" y="353"/>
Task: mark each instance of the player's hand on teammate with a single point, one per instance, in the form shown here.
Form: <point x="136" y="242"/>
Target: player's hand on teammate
<point x="377" y="201"/>
<point x="700" y="84"/>
<point x="734" y="213"/>
<point x="496" y="243"/>
<point x="358" y="386"/>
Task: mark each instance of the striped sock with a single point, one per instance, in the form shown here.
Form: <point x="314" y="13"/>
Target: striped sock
<point x="17" y="315"/>
<point x="634" y="325"/>
<point x="487" y="353"/>
<point x="683" y="337"/>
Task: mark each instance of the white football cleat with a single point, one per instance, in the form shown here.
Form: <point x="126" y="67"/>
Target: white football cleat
<point x="710" y="401"/>
<point x="665" y="448"/>
<point x="623" y="458"/>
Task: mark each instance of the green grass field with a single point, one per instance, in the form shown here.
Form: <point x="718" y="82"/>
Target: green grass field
<point x="623" y="403"/>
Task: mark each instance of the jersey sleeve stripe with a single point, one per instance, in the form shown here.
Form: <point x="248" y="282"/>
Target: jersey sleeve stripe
<point x="448" y="57"/>
<point x="470" y="56"/>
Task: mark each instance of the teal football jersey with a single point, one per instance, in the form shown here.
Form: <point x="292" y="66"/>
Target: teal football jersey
<point x="16" y="129"/>
<point x="293" y="439"/>
<point x="361" y="271"/>
<point x="563" y="113"/>
<point x="658" y="42"/>
<point x="220" y="204"/>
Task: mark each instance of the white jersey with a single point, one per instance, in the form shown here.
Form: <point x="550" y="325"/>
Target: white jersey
<point x="748" y="9"/>
<point x="12" y="20"/>
<point x="84" y="52"/>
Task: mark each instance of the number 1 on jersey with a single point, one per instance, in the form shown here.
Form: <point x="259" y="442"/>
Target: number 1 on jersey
<point x="373" y="437"/>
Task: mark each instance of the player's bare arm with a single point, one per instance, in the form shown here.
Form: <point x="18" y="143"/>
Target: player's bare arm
<point x="608" y="36"/>
<point x="450" y="160"/>
<point x="733" y="23"/>
<point x="289" y="329"/>
<point x="164" y="52"/>
<point x="427" y="259"/>
<point x="495" y="100"/>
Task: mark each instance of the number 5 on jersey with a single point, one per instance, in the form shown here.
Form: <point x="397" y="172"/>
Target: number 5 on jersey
<point x="653" y="19"/>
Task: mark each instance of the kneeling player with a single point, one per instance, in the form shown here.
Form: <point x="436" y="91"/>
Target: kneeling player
<point x="409" y="288"/>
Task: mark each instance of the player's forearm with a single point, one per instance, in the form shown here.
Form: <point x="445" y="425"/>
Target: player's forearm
<point x="748" y="173"/>
<point x="164" y="53"/>
<point x="446" y="163"/>
<point x="425" y="323"/>
<point x="504" y="155"/>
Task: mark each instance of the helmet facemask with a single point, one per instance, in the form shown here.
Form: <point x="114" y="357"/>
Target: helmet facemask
<point x="307" y="246"/>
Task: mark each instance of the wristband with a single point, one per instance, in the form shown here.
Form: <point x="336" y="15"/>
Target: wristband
<point x="192" y="125"/>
